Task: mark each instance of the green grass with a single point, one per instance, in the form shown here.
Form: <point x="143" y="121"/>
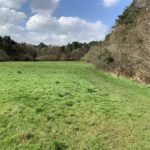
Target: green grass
<point x="71" y="105"/>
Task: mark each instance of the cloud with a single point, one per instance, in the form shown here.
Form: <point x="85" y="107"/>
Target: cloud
<point x="40" y="22"/>
<point x="110" y="3"/>
<point x="16" y="4"/>
<point x="44" y="6"/>
<point x="42" y="26"/>
<point x="10" y="21"/>
<point x="11" y="29"/>
<point x="12" y="16"/>
<point x="67" y="29"/>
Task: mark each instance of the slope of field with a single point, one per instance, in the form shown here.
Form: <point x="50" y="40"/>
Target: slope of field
<point x="71" y="105"/>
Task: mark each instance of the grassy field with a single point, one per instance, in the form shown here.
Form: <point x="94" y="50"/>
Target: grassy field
<point x="71" y="105"/>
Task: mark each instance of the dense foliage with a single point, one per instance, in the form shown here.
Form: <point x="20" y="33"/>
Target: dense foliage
<point x="13" y="51"/>
<point x="126" y="50"/>
<point x="128" y="17"/>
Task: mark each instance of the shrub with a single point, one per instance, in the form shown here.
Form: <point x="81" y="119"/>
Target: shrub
<point x="128" y="17"/>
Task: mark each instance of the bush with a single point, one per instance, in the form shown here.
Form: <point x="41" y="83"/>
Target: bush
<point x="3" y="56"/>
<point x="128" y="17"/>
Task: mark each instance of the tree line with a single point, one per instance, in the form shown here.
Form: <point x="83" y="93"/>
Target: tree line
<point x="13" y="51"/>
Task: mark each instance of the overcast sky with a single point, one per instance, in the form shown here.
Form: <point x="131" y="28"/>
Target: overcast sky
<point x="58" y="21"/>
